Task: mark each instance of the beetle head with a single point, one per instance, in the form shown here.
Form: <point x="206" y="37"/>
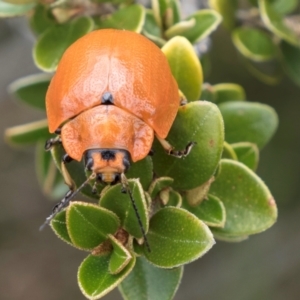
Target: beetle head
<point x="107" y="164"/>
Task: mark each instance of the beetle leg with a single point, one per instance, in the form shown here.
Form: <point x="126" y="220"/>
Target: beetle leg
<point x="67" y="158"/>
<point x="52" y="142"/>
<point x="177" y="153"/>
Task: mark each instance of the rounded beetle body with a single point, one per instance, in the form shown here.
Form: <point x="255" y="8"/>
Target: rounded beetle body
<point x="113" y="89"/>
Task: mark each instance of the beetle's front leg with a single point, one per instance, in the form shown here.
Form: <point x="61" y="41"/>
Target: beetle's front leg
<point x="177" y="153"/>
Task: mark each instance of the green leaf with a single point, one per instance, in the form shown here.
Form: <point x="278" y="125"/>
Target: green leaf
<point x="27" y="134"/>
<point x="150" y="25"/>
<point x="94" y="278"/>
<point x="224" y="92"/>
<point x="291" y="60"/>
<point x="249" y="122"/>
<point x="207" y="93"/>
<point x="254" y="44"/>
<point x="159" y="184"/>
<point x="284" y="6"/>
<point x="121" y="205"/>
<point x="49" y="177"/>
<point x="31" y="89"/>
<point x="185" y="66"/>
<point x="250" y="207"/>
<point x="41" y="19"/>
<point x="176" y="237"/>
<point x="89" y="225"/>
<point x="120" y="257"/>
<point x="230" y="239"/>
<point x="171" y="198"/>
<point x="199" y="122"/>
<point x="275" y="22"/>
<point x="55" y="40"/>
<point x="12" y="10"/>
<point x="247" y="153"/>
<point x="147" y="282"/>
<point x="211" y="211"/>
<point x="228" y="152"/>
<point x="59" y="226"/>
<point x="130" y="18"/>
<point x="227" y="9"/>
<point x="142" y="169"/>
<point x="180" y="28"/>
<point x="206" y="21"/>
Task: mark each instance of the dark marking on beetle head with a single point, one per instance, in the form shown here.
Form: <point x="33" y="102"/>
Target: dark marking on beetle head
<point x="108" y="155"/>
<point x="107" y="98"/>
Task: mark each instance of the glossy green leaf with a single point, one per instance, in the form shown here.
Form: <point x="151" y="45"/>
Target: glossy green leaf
<point x="250" y="207"/>
<point x="185" y="66"/>
<point x="291" y="60"/>
<point x="121" y="205"/>
<point x="94" y="278"/>
<point x="31" y="89"/>
<point x="227" y="9"/>
<point x="284" y="6"/>
<point x="120" y="257"/>
<point x="55" y="40"/>
<point x="150" y="25"/>
<point x="228" y="92"/>
<point x="176" y="237"/>
<point x="228" y="152"/>
<point x="206" y="21"/>
<point x="200" y="122"/>
<point x="41" y="19"/>
<point x="147" y="282"/>
<point x="254" y="44"/>
<point x="247" y="153"/>
<point x="59" y="226"/>
<point x="211" y="211"/>
<point x="12" y="10"/>
<point x="275" y="22"/>
<point x="230" y="239"/>
<point x="27" y="134"/>
<point x="180" y="28"/>
<point x="159" y="184"/>
<point x="89" y="225"/>
<point x="249" y="122"/>
<point x="130" y="18"/>
<point x="142" y="169"/>
<point x="49" y="177"/>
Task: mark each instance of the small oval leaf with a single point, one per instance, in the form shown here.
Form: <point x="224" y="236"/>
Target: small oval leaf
<point x="199" y="122"/>
<point x="176" y="237"/>
<point x="275" y="22"/>
<point x="28" y="133"/>
<point x="121" y="205"/>
<point x="130" y="18"/>
<point x="55" y="40"/>
<point x="250" y="207"/>
<point x="89" y="225"/>
<point x="31" y="89"/>
<point x="94" y="278"/>
<point x="211" y="211"/>
<point x="59" y="226"/>
<point x="147" y="282"/>
<point x="254" y="43"/>
<point x="249" y="122"/>
<point x="185" y="66"/>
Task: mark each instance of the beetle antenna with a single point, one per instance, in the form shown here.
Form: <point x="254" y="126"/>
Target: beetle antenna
<point x="126" y="187"/>
<point x="65" y="201"/>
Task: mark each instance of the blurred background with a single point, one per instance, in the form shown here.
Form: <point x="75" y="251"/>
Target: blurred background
<point x="37" y="265"/>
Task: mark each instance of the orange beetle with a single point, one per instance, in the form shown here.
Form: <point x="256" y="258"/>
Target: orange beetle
<point x="112" y="92"/>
